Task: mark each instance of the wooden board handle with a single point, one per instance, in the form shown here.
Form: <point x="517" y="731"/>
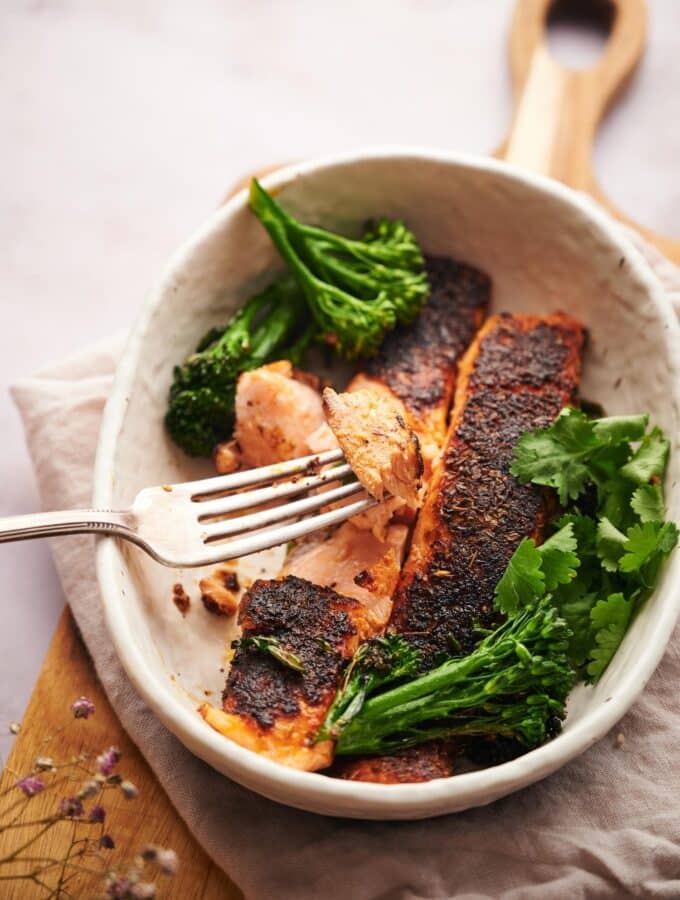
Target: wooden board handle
<point x="558" y="110"/>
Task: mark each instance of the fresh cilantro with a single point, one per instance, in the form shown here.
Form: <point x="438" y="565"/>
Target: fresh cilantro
<point x="649" y="460"/>
<point x="608" y="475"/>
<point x="272" y="645"/>
<point x="615" y="501"/>
<point x="609" y="619"/>
<point x="534" y="571"/>
<point x="616" y="430"/>
<point x="645" y="548"/>
<point x="559" y="558"/>
<point x="575" y="603"/>
<point x="610" y="544"/>
<point x="556" y="456"/>
<point x="523" y="580"/>
<point x="647" y="503"/>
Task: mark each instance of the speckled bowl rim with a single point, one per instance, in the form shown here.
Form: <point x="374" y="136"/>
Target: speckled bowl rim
<point x="313" y="791"/>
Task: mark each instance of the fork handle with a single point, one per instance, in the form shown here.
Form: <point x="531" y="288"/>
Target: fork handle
<point x="73" y="521"/>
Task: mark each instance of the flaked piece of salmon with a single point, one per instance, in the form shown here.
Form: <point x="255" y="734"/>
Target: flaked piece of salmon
<point x="269" y="706"/>
<point x="277" y="410"/>
<point x="356" y="564"/>
<point x="382" y="450"/>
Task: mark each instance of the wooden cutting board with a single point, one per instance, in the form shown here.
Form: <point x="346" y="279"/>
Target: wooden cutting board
<point x="557" y="112"/>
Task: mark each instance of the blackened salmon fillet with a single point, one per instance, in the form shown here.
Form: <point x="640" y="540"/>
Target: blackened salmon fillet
<point x="268" y="706"/>
<point x="516" y="376"/>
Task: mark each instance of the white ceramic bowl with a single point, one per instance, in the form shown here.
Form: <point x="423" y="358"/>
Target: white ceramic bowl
<point x="546" y="248"/>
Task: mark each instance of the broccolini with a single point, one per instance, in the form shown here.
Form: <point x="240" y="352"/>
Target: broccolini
<point x="514" y="683"/>
<point x="357" y="290"/>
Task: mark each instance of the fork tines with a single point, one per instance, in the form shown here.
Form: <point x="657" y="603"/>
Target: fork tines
<point x="217" y="499"/>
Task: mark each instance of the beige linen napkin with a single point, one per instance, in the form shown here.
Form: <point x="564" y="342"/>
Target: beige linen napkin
<point x="606" y="825"/>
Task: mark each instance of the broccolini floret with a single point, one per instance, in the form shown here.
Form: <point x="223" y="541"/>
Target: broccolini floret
<point x="273" y="325"/>
<point x="357" y="290"/>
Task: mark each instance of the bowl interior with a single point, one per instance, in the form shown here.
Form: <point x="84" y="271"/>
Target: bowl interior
<point x="545" y="250"/>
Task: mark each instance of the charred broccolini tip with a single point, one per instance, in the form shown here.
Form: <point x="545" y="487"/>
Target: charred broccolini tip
<point x="376" y="663"/>
<point x="357" y="290"/>
<point x="272" y="325"/>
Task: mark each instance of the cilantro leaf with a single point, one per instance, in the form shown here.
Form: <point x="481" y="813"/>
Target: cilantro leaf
<point x="620" y="429"/>
<point x="555" y="456"/>
<point x="584" y="529"/>
<point x="610" y="544"/>
<point x="523" y="580"/>
<point x="650" y="459"/>
<point x="615" y="502"/>
<point x="533" y="571"/>
<point x="559" y="559"/>
<point x="647" y="503"/>
<point x="609" y="619"/>
<point x="645" y="546"/>
<point x="613" y="539"/>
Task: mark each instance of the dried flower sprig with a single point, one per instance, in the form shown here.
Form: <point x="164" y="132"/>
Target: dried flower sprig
<point x="79" y="786"/>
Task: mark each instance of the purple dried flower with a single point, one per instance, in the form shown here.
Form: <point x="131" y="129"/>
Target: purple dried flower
<point x="30" y="785"/>
<point x="82" y="708"/>
<point x="129" y="790"/>
<point x="107" y="842"/>
<point x="71" y="806"/>
<point x="106" y="761"/>
<point x="143" y="890"/>
<point x="97" y="814"/>
<point x="119" y="888"/>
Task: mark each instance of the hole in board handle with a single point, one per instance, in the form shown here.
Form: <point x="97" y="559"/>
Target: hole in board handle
<point x="578" y="31"/>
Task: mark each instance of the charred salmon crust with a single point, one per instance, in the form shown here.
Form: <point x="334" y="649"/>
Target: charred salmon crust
<point x="314" y="623"/>
<point x="268" y="706"/>
<point x="516" y="376"/>
<point x="406" y="767"/>
<point x="418" y="362"/>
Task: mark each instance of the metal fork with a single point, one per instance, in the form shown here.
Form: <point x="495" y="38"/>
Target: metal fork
<point x="193" y="524"/>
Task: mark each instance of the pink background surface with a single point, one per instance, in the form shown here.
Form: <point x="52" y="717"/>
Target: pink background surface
<point x="124" y="121"/>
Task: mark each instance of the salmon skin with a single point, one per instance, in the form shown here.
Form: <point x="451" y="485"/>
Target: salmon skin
<point x="270" y="707"/>
<point x="516" y="377"/>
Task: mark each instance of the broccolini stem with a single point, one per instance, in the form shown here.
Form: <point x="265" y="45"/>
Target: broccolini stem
<point x="236" y="337"/>
<point x="273" y="218"/>
<point x="281" y="323"/>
